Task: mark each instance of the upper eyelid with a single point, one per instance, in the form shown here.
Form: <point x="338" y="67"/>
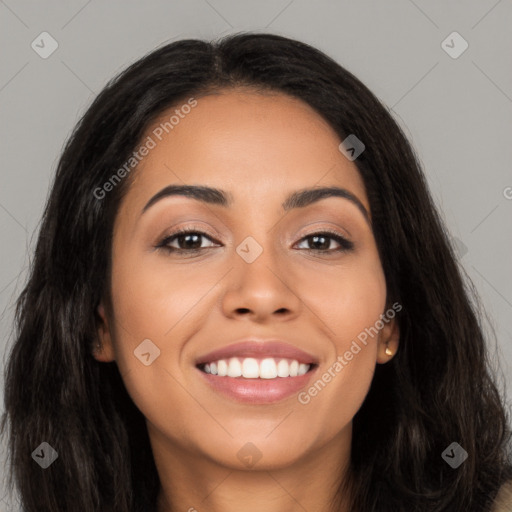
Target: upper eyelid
<point x="190" y="229"/>
<point x="215" y="233"/>
<point x="227" y="226"/>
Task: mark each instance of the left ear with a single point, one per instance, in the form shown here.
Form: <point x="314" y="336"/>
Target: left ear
<point x="389" y="337"/>
<point x="103" y="349"/>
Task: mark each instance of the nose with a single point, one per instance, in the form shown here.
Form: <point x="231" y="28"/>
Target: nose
<point x="262" y="290"/>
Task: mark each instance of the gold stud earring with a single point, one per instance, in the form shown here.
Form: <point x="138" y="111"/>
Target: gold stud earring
<point x="388" y="351"/>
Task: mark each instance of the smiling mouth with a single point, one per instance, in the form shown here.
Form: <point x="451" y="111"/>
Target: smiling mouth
<point x="256" y="368"/>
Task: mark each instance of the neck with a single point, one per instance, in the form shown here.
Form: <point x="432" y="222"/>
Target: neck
<point x="196" y="483"/>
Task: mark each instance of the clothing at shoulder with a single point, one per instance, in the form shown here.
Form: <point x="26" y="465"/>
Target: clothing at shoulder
<point x="503" y="502"/>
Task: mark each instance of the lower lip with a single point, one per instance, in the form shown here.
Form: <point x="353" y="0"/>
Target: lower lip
<point x="257" y="391"/>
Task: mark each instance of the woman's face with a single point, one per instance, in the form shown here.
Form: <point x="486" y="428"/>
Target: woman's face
<point x="258" y="274"/>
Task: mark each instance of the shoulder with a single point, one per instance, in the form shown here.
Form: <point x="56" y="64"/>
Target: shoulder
<point x="503" y="502"/>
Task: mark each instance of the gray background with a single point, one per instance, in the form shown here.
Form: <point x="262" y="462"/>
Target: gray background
<point x="456" y="111"/>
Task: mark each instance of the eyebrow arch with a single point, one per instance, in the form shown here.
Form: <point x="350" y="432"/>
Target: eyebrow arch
<point x="215" y="196"/>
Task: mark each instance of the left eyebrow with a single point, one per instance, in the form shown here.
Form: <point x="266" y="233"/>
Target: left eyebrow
<point x="297" y="199"/>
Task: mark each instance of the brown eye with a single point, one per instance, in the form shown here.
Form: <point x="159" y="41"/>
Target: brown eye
<point x="321" y="242"/>
<point x="187" y="241"/>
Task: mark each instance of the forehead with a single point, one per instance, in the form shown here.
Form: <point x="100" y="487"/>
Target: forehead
<point x="258" y="146"/>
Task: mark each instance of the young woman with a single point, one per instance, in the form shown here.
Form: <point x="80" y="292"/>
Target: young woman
<point x="243" y="298"/>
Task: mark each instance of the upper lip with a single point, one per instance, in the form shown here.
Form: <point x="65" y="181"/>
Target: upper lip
<point x="259" y="348"/>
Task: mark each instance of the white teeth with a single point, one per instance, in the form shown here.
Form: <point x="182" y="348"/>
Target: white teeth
<point x="283" y="368"/>
<point x="234" y="368"/>
<point x="222" y="368"/>
<point x="303" y="368"/>
<point x="268" y="369"/>
<point x="251" y="368"/>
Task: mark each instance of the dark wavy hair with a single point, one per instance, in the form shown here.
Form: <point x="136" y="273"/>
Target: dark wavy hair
<point x="438" y="389"/>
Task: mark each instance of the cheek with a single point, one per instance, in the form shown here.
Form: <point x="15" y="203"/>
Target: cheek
<point x="160" y="304"/>
<point x="163" y="303"/>
<point x="348" y="299"/>
<point x="150" y="299"/>
<point x="349" y="305"/>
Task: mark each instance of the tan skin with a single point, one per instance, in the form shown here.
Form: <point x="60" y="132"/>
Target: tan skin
<point x="259" y="148"/>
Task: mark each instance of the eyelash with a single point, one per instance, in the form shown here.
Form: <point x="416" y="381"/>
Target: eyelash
<point x="345" y="245"/>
